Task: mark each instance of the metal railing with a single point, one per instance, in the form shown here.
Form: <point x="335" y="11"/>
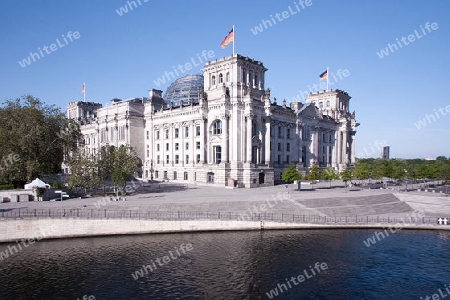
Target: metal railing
<point x="192" y="215"/>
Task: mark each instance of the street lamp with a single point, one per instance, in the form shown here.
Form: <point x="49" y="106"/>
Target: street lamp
<point x="406" y="180"/>
<point x="151" y="171"/>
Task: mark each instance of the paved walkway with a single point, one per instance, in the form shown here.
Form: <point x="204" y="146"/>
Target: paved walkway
<point x="276" y="199"/>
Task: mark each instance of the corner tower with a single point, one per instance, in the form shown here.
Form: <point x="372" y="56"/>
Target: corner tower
<point x="234" y="74"/>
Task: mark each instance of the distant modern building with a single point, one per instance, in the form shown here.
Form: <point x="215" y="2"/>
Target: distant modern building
<point x="223" y="128"/>
<point x="385" y="154"/>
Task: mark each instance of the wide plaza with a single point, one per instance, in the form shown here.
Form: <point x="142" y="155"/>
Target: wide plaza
<point x="280" y="199"/>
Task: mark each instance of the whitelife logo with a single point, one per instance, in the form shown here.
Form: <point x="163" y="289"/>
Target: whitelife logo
<point x="184" y="248"/>
<point x="52" y="48"/>
<point x="266" y="24"/>
<point x="281" y="287"/>
<point x="411" y="38"/>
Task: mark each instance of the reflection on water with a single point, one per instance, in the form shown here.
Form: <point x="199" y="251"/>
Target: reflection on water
<point x="230" y="265"/>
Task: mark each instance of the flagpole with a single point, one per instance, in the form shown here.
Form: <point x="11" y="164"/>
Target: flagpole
<point x="84" y="89"/>
<point x="328" y="75"/>
<point x="234" y="38"/>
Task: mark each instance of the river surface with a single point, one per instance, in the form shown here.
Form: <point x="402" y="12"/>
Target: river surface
<point x="231" y="265"/>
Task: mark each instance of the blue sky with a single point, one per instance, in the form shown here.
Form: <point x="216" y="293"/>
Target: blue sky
<point x="122" y="56"/>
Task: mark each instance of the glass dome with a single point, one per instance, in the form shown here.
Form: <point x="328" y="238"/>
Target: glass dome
<point x="184" y="90"/>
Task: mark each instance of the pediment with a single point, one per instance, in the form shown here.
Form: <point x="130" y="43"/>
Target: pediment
<point x="310" y="111"/>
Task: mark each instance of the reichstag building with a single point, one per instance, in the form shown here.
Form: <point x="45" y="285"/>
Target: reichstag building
<point x="223" y="128"/>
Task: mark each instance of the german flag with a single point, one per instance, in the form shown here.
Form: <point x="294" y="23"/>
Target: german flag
<point x="323" y="76"/>
<point x="82" y="89"/>
<point x="228" y="39"/>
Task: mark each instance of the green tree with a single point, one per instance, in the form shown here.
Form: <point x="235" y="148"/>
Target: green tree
<point x="329" y="174"/>
<point x="125" y="163"/>
<point x="445" y="172"/>
<point x="290" y="174"/>
<point x="31" y="132"/>
<point x="361" y="170"/>
<point x="346" y="175"/>
<point x="84" y="171"/>
<point x="314" y="172"/>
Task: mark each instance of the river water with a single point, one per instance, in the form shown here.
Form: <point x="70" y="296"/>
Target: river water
<point x="300" y="264"/>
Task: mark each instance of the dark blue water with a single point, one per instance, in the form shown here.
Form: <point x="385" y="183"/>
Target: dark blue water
<point x="231" y="265"/>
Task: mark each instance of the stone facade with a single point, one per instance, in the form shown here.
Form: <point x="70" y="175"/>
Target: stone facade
<point x="232" y="133"/>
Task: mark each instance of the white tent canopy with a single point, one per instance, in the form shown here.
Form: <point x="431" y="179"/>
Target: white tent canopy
<point x="37" y="183"/>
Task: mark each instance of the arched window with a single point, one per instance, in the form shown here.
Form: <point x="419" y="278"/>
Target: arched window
<point x="217" y="127"/>
<point x="220" y="78"/>
<point x="228" y="77"/>
<point x="256" y="80"/>
<point x="213" y="80"/>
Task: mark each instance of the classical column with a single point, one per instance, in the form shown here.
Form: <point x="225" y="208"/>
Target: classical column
<point x="225" y="139"/>
<point x="338" y="148"/>
<point x="249" y="139"/>
<point x="150" y="142"/>
<point x="192" y="146"/>
<point x="313" y="145"/>
<point x="353" y="149"/>
<point x="345" y="148"/>
<point x="171" y="145"/>
<point x="182" y="146"/>
<point x="267" y="149"/>
<point x="203" y="144"/>
<point x="299" y="139"/>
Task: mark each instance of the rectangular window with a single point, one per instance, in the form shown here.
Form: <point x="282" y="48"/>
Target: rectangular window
<point x="156" y="174"/>
<point x="287" y="159"/>
<point x="197" y="130"/>
<point x="176" y="132"/>
<point x="187" y="146"/>
<point x="167" y="159"/>
<point x="288" y="133"/>
<point x="148" y="153"/>
<point x="176" y="146"/>
<point x="217" y="127"/>
<point x="157" y="147"/>
<point x="175" y="175"/>
<point x="165" y="175"/>
<point x="288" y="147"/>
<point x="198" y="145"/>
<point x="187" y="159"/>
<point x="279" y="146"/>
<point x="198" y="158"/>
<point x="177" y="159"/>
<point x="158" y="161"/>
<point x="148" y="134"/>
<point x="279" y="132"/>
<point x="186" y="131"/>
<point x="167" y="133"/>
<point x="157" y="134"/>
<point x="185" y="176"/>
<point x="217" y="154"/>
<point x="167" y="146"/>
